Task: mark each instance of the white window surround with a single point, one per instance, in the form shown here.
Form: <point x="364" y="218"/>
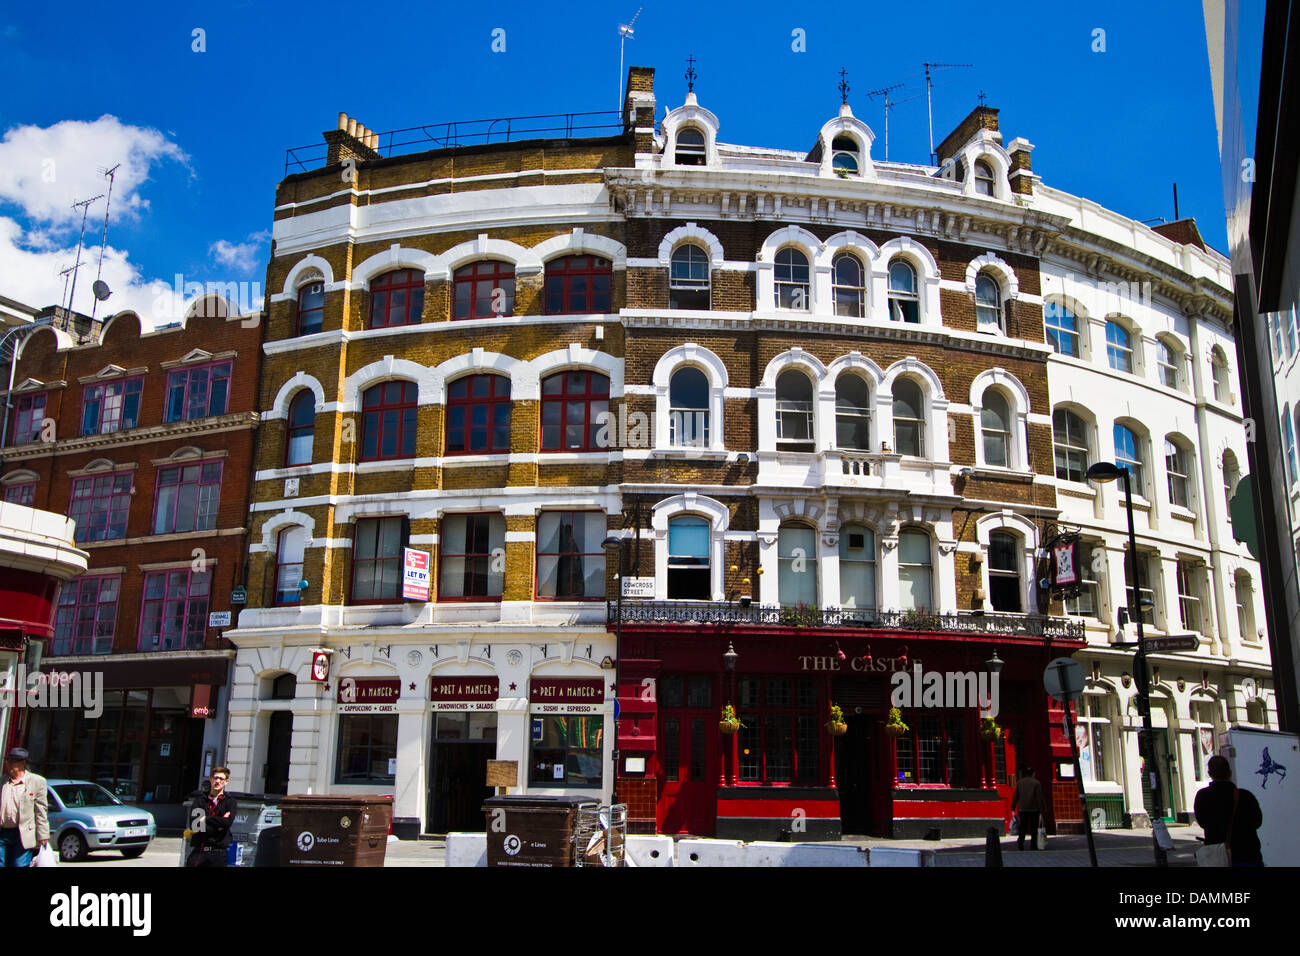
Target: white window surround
<point x="714" y="369"/>
<point x="280" y="406"/>
<point x="273" y="525"/>
<point x="823" y="399"/>
<point x="1001" y="273"/>
<point x="1188" y="452"/>
<point x="580" y="242"/>
<point x="927" y="276"/>
<point x="395" y="257"/>
<point x="1018" y="404"/>
<point x="578" y="358"/>
<point x="696" y="235"/>
<point x="846" y="124"/>
<point x="1178" y="357"/>
<point x="872" y="374"/>
<point x="1142" y="441"/>
<point x="310" y="268"/>
<point x="1091" y="428"/>
<point x="689" y="114"/>
<point x="984" y="147"/>
<point x="1137" y="343"/>
<point x="936" y="406"/>
<point x="1027" y="532"/>
<point x="690" y="503"/>
<point x="1083" y="323"/>
<point x="386" y="369"/>
<point x="819" y="274"/>
<point x="19" y="477"/>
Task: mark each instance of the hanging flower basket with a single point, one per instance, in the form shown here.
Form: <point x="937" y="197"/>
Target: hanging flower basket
<point x="836" y="725"/>
<point x="989" y="729"/>
<point x="895" y="726"/>
<point x="729" y="723"/>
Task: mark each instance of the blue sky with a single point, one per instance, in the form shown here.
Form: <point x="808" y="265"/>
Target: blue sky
<point x="202" y="135"/>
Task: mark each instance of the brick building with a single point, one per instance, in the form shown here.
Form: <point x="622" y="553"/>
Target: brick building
<point x="144" y="439"/>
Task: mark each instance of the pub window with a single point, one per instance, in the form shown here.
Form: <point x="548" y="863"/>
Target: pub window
<point x="933" y="751"/>
<point x="367" y="749"/>
<point x="988" y="304"/>
<point x="778" y="737"/>
<point x="377" y="545"/>
<point x="290" y="547"/>
<point x="1084" y="604"/>
<point x="311" y="308"/>
<point x="995" y="423"/>
<point x="567" y="751"/>
<point x="688" y="409"/>
<point x="301" y="429"/>
<point x="397" y="298"/>
<point x="483" y="290"/>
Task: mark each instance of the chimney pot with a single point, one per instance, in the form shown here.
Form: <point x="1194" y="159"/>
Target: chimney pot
<point x="374" y="141"/>
<point x="343" y="120"/>
<point x="352" y="127"/>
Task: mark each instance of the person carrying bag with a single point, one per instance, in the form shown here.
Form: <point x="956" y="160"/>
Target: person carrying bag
<point x="1230" y="818"/>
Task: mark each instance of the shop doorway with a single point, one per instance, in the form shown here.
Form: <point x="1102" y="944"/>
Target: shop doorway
<point x="855" y="774"/>
<point x="463" y="743"/>
<point x="1165" y="764"/>
<point x="688" y="801"/>
<point x="279" y="736"/>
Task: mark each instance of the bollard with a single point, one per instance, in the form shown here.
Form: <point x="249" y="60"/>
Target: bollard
<point x="992" y="848"/>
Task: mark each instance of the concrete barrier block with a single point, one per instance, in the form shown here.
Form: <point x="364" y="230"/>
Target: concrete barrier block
<point x="804" y="854"/>
<point x="467" y="849"/>
<point x="899" y="856"/>
<point x="646" y="850"/>
<point x="710" y="853"/>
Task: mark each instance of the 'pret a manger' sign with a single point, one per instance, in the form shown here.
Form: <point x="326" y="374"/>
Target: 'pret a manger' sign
<point x="571" y="695"/>
<point x="463" y="693"/>
<point x="369" y="695"/>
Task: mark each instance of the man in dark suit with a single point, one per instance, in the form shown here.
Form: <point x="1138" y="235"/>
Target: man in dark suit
<point x="1029" y="801"/>
<point x="209" y="840"/>
<point x="1214" y="812"/>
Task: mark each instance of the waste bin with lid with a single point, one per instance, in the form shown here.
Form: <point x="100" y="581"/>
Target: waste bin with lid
<point x="254" y="832"/>
<point x="532" y="830"/>
<point x="334" y="830"/>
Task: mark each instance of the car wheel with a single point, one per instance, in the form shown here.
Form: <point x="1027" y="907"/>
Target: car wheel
<point x="72" y="847"/>
<point x="131" y="852"/>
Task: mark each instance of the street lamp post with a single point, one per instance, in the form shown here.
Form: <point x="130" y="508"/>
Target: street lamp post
<point x="1103" y="472"/>
<point x="611" y="543"/>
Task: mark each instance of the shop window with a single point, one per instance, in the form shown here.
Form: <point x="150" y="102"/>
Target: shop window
<point x="688" y="281"/>
<point x="388" y="416"/>
<point x="1070" y="445"/>
<point x="478" y="415"/>
<point x="22" y="493"/>
<point x="933" y="751"/>
<point x="291" y="545"/>
<point x="472" y="557"/>
<point x="791" y="278"/>
<point x="570" y="557"/>
<point x="914" y="571"/>
<point x="87" y="616"/>
<point x="909" y="418"/>
<point x="1189" y="595"/>
<point x="850" y="286"/>
<point x="797" y="566"/>
<point x="397" y="298"/>
<point x="995" y="426"/>
<point x="690" y="150"/>
<point x="188" y="498"/>
<point x="904" y="299"/>
<point x="483" y="290"/>
<point x="988" y="304"/>
<point x="301" y="431"/>
<point x="1062" y="329"/>
<point x="857" y="567"/>
<point x="311" y="308"/>
<point x="111" y="406"/>
<point x="1128" y="453"/>
<point x="572" y="405"/>
<point x="29" y="415"/>
<point x="852" y="413"/>
<point x="377" y="545"/>
<point x="578" y="285"/>
<point x="688" y="409"/>
<point x="174" y="612"/>
<point x="198" y="392"/>
<point x="689" y="573"/>
<point x="1004" y="573"/>
<point x="1177" y="472"/>
<point x="1119" y="353"/>
<point x="1092" y="734"/>
<point x="367" y="749"/>
<point x="567" y="751"/>
<point x="101" y="505"/>
<point x="794" y="411"/>
<point x="778" y="737"/>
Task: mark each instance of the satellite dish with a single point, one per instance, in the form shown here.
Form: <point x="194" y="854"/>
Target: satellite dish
<point x="101" y="290"/>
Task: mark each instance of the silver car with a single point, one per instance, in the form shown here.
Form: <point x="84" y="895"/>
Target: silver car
<point x="85" y="817"/>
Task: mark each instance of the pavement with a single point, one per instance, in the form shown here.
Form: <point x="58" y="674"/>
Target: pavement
<point x="1115" y="848"/>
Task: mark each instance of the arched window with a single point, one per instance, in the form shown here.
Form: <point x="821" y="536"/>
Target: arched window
<point x="794" y="411"/>
<point x="691" y="150"/>
<point x="572" y="403"/>
<point x="311" y="307"/>
<point x="1004" y="572"/>
<point x="988" y="304"/>
<point x="1062" y="329"/>
<point x="852" y="413"/>
<point x="688" y="409"/>
<point x="1245" y="606"/>
<point x="1177" y="471"/>
<point x="909" y="418"/>
<point x="689" y="550"/>
<point x="1219" y="375"/>
<point x="478" y="415"/>
<point x="290" y="548"/>
<point x="995" y="425"/>
<point x="844" y="150"/>
<point x="797" y="566"/>
<point x="301" y="429"/>
<point x="688" y="283"/>
<point x="1118" y="351"/>
<point x="578" y="285"/>
<point x="850" y="290"/>
<point x="1070" y="443"/>
<point x="388" y="415"/>
<point x="983" y="178"/>
<point x="904" y="299"/>
<point x="915" y="592"/>
<point x="1128" y="452"/>
<point x="1231" y="475"/>
<point x="397" y="298"/>
<point x="1167" y="359"/>
<point x="857" y="567"/>
<point x="791" y="276"/>
<point x="1289" y="437"/>
<point x="483" y="289"/>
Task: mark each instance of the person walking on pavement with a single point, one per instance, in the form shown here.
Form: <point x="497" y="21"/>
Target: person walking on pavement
<point x="1229" y="814"/>
<point x="209" y="841"/>
<point x="1028" y="801"/>
<point x="24" y="811"/>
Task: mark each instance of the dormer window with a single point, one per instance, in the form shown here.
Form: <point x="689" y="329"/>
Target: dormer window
<point x="983" y="178"/>
<point x="844" y="158"/>
<point x="690" y="147"/>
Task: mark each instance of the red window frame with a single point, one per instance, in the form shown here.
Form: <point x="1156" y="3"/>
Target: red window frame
<point x="404" y="537"/>
<point x="756" y="719"/>
<point x="310" y="316"/>
<point x="597" y="555"/>
<point x="193" y="607"/>
<point x="407" y="285"/>
<point x="469" y="280"/>
<point x="70" y="619"/>
<point x="183" y="402"/>
<point x="298" y="430"/>
<point x="468" y="412"/>
<point x="484" y="557"/>
<point x="100" y="504"/>
<point x="565" y="295"/>
<point x="21" y="493"/>
<point x="560" y="404"/>
<point x="377" y="405"/>
<point x="952" y="726"/>
<point x="203" y="479"/>
<point x="29" y="412"/>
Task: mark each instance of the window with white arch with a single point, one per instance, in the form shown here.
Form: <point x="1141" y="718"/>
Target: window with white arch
<point x="688" y="408"/>
<point x="1219" y="375"/>
<point x="691" y="149"/>
<point x="904" y="295"/>
<point x="1178" y="470"/>
<point x="844" y="154"/>
<point x="909" y="418"/>
<point x="988" y="304"/>
<point x="995" y="427"/>
<point x="791" y="278"/>
<point x="852" y="413"/>
<point x="794" y="411"/>
<point x="688" y="278"/>
<point x="983" y="178"/>
<point x="291" y="545"/>
<point x="689" y="556"/>
<point x="1004" y="572"/>
<point x="849" y="286"/>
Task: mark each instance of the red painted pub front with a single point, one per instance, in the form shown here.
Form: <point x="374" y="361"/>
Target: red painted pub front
<point x="783" y="774"/>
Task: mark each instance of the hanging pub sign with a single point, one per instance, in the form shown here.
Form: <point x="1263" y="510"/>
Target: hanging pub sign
<point x="320" y="666"/>
<point x="463" y="693"/>
<point x="556" y="695"/>
<point x="377" y="695"/>
<point x="1065" y="571"/>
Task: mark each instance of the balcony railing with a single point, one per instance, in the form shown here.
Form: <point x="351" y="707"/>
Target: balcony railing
<point x="722" y="613"/>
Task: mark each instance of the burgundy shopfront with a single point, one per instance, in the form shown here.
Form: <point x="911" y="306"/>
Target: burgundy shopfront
<point x="783" y="775"/>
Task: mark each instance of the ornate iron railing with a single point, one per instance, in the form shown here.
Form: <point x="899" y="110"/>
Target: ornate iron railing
<point x="723" y="613"/>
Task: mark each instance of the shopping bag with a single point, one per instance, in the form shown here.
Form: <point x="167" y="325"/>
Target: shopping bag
<point x="1042" y="836"/>
<point x="45" y="857"/>
<point x="1014" y="828"/>
<point x="1213" y="854"/>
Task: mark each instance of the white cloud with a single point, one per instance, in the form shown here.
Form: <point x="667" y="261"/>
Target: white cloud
<point x="245" y="257"/>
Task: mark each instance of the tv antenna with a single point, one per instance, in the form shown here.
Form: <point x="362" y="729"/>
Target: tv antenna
<point x="929" y="85"/>
<point x="889" y="105"/>
<point x="625" y="33"/>
<point x="100" y="287"/>
<point x="85" y="211"/>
